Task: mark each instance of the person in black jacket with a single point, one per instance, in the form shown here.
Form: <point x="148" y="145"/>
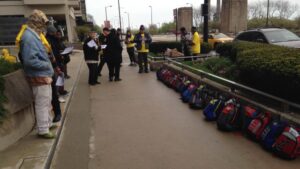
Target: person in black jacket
<point x="103" y="41"/>
<point x="113" y="55"/>
<point x="91" y="55"/>
<point x="143" y="40"/>
<point x="56" y="63"/>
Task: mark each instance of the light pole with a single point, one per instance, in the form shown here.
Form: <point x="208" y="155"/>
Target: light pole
<point x="268" y="10"/>
<point x="128" y="19"/>
<point x="151" y="15"/>
<point x="120" y="19"/>
<point x="106" y="10"/>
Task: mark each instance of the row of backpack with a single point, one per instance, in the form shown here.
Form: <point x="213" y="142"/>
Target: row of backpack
<point x="274" y="135"/>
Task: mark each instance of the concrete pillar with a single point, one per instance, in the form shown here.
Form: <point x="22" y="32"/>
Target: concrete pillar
<point x="185" y="18"/>
<point x="234" y="16"/>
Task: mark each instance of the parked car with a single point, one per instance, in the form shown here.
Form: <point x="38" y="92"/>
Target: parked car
<point x="217" y="38"/>
<point x="276" y="36"/>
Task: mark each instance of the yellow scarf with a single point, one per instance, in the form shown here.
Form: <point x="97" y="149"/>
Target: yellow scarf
<point x="42" y="37"/>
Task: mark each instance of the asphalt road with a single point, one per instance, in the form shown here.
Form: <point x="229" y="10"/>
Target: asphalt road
<point x="141" y="124"/>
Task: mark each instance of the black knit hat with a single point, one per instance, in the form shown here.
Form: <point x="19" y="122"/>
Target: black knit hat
<point x="142" y="27"/>
<point x="105" y="29"/>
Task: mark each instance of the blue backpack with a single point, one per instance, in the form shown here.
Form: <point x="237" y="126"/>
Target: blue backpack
<point x="196" y="101"/>
<point x="271" y="133"/>
<point x="188" y="93"/>
<point x="213" y="109"/>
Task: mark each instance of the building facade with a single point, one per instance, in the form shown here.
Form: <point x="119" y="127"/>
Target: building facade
<point x="66" y="13"/>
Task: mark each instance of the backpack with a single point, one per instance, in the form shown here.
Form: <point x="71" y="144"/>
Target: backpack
<point x="271" y="133"/>
<point x="257" y="126"/>
<point x="249" y="113"/>
<point x="196" y="101"/>
<point x="229" y="119"/>
<point x="188" y="93"/>
<point x="287" y="145"/>
<point x="181" y="87"/>
<point x="213" y="109"/>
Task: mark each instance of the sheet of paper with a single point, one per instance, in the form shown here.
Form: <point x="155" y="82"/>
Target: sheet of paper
<point x="60" y="81"/>
<point x="103" y="46"/>
<point x="92" y="44"/>
<point x="68" y="50"/>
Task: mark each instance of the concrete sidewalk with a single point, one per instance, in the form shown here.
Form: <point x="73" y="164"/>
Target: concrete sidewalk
<point x="139" y="123"/>
<point x="32" y="152"/>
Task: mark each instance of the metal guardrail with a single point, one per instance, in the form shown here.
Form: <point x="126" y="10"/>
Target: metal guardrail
<point x="286" y="105"/>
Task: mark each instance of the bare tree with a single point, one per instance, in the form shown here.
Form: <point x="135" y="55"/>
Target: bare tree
<point x="197" y="16"/>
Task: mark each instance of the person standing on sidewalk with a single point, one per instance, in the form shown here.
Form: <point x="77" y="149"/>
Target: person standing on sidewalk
<point x="195" y="43"/>
<point x="91" y="50"/>
<point x="103" y="42"/>
<point x="113" y="55"/>
<point x="129" y="41"/>
<point x="57" y="66"/>
<point x="185" y="40"/>
<point x="34" y="49"/>
<point x="143" y="40"/>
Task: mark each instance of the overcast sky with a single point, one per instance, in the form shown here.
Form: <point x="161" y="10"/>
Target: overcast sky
<point x="139" y="10"/>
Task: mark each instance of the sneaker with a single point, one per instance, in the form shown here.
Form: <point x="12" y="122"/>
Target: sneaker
<point x="110" y="79"/>
<point x="118" y="79"/>
<point x="53" y="127"/>
<point x="98" y="83"/>
<point x="64" y="93"/>
<point x="61" y="100"/>
<point x="146" y="71"/>
<point x="48" y="135"/>
<point x="140" y="71"/>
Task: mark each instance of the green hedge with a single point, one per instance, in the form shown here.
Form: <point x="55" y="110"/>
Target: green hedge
<point x="5" y="68"/>
<point x="160" y="47"/>
<point x="270" y="68"/>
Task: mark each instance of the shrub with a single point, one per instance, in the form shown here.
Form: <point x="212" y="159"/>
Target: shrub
<point x="5" y="68"/>
<point x="219" y="66"/>
<point x="273" y="69"/>
<point x="206" y="48"/>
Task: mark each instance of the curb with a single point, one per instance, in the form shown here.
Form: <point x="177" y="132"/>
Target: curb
<point x="51" y="154"/>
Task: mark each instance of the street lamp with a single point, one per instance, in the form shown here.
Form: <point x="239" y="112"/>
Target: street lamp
<point x="106" y="10"/>
<point x="151" y="15"/>
<point x="268" y="11"/>
<point x="128" y="19"/>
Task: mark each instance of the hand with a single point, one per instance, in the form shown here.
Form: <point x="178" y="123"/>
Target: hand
<point x="48" y="80"/>
<point x="58" y="71"/>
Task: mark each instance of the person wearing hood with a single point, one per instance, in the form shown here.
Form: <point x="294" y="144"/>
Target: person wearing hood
<point x="34" y="50"/>
<point x="113" y="55"/>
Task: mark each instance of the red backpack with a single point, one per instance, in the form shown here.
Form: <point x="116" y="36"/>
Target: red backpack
<point x="257" y="126"/>
<point x="287" y="145"/>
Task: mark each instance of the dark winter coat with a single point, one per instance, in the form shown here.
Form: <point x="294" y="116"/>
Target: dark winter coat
<point x="90" y="54"/>
<point x="113" y="51"/>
